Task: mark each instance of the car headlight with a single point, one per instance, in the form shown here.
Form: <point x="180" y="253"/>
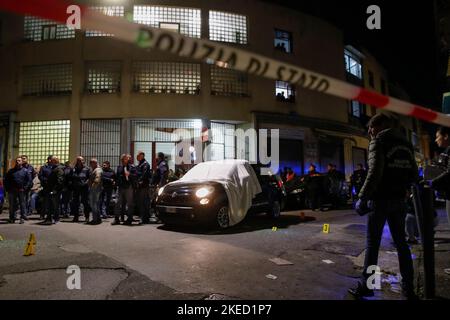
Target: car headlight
<point x="160" y="191"/>
<point x="296" y="191"/>
<point x="203" y="192"/>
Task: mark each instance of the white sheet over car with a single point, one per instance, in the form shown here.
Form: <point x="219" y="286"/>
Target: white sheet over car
<point x="238" y="178"/>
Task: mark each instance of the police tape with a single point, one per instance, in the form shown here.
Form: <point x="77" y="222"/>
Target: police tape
<point x="222" y="55"/>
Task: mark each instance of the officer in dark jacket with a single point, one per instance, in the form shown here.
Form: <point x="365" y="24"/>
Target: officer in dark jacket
<point x="392" y="169"/>
<point x="79" y="178"/>
<point x="442" y="182"/>
<point x="126" y="176"/>
<point x="16" y="181"/>
<point x="159" y="179"/>
<point x="144" y="176"/>
<point x="55" y="186"/>
<point x="109" y="183"/>
<point x="66" y="195"/>
<point x="334" y="183"/>
<point x="32" y="174"/>
<point x="44" y="174"/>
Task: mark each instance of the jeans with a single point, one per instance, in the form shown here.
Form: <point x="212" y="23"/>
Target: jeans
<point x="392" y="211"/>
<point x="105" y="201"/>
<point x="94" y="203"/>
<point x="124" y="198"/>
<point x="143" y="203"/>
<point x="29" y="210"/>
<point x="78" y="194"/>
<point x="54" y="206"/>
<point x="411" y="228"/>
<point x="65" y="201"/>
<point x="33" y="200"/>
<point x="17" y="198"/>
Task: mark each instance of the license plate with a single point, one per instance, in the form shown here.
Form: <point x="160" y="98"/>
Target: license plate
<point x="171" y="210"/>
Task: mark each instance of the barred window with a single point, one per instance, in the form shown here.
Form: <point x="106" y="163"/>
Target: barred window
<point x="103" y="76"/>
<point x="227" y="82"/>
<point x="54" y="79"/>
<point x="284" y="91"/>
<point x="112" y="11"/>
<point x="166" y="77"/>
<point x="39" y="139"/>
<point x="101" y="139"/>
<point x="227" y="27"/>
<point x="37" y="29"/>
<point x="222" y="141"/>
<point x="189" y="20"/>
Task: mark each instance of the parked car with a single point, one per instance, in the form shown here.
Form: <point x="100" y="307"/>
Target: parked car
<point x="220" y="194"/>
<point x="2" y="195"/>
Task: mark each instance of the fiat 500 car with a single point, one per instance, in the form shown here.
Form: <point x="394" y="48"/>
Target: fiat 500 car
<point x="218" y="193"/>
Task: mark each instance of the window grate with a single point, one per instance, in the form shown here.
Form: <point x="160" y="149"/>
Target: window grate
<point x="227" y="27"/>
<point x="103" y="76"/>
<point x="44" y="80"/>
<point x="166" y="77"/>
<point x="112" y="11"/>
<point x="228" y="82"/>
<point x="35" y="29"/>
<point x="40" y="139"/>
<point x="101" y="139"/>
<point x="189" y="20"/>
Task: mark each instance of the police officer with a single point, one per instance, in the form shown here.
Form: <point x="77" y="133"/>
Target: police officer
<point x="126" y="182"/>
<point x="143" y="187"/>
<point x="79" y="177"/>
<point x="67" y="192"/>
<point x="32" y="174"/>
<point x="16" y="182"/>
<point x="162" y="171"/>
<point x="357" y="179"/>
<point x="95" y="190"/>
<point x="55" y="186"/>
<point x="392" y="169"/>
<point x="109" y="182"/>
<point x="44" y="174"/>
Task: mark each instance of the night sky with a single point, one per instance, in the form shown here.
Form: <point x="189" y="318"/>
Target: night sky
<point x="406" y="45"/>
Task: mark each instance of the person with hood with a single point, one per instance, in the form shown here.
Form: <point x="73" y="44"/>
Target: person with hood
<point x="78" y="180"/>
<point x="16" y="183"/>
<point x="392" y="169"/>
<point x="55" y="186"/>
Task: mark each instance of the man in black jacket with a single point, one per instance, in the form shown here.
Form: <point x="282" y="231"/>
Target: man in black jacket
<point x="109" y="182"/>
<point x="144" y="176"/>
<point x="78" y="180"/>
<point x="16" y="182"/>
<point x="32" y="174"/>
<point x="55" y="186"/>
<point x="442" y="182"/>
<point x="126" y="176"/>
<point x="357" y="179"/>
<point x="392" y="169"/>
<point x="43" y="175"/>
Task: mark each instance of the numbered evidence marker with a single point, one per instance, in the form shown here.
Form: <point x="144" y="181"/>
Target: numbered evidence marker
<point x="326" y="228"/>
<point x="1" y="238"/>
<point x="274" y="228"/>
<point x="29" y="249"/>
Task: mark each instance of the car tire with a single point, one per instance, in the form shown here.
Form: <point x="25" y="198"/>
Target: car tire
<point x="275" y="212"/>
<point x="223" y="218"/>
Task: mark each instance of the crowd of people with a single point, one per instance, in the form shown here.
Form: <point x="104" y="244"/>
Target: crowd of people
<point x="58" y="191"/>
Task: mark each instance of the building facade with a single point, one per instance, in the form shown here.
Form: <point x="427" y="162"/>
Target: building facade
<point x="70" y="92"/>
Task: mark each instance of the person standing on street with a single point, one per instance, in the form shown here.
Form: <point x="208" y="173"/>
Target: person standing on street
<point x="79" y="177"/>
<point x="126" y="182"/>
<point x="44" y="174"/>
<point x="95" y="190"/>
<point x="357" y="179"/>
<point x="67" y="192"/>
<point x="55" y="186"/>
<point x="16" y="182"/>
<point x="108" y="182"/>
<point x="32" y="174"/>
<point x="144" y="176"/>
<point x="392" y="169"/>
<point x="162" y="171"/>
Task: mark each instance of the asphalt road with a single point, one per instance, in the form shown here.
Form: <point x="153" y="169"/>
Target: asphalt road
<point x="154" y="262"/>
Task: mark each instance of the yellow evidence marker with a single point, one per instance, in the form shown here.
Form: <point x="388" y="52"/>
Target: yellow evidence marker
<point x="274" y="228"/>
<point x="29" y="249"/>
<point x="1" y="238"/>
<point x="326" y="228"/>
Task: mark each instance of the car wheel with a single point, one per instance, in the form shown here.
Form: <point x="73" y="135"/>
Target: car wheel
<point x="223" y="218"/>
<point x="276" y="210"/>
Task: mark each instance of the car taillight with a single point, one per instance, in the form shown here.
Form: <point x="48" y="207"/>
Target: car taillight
<point x="280" y="184"/>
